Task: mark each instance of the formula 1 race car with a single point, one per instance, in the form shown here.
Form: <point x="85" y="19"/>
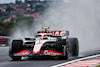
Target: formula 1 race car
<point x="45" y="43"/>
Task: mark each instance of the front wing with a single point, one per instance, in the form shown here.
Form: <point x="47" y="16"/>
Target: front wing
<point x="43" y="53"/>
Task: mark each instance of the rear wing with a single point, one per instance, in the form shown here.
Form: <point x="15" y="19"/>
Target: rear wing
<point x="56" y="33"/>
<point x="60" y="33"/>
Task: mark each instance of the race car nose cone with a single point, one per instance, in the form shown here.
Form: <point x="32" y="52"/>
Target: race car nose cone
<point x="38" y="45"/>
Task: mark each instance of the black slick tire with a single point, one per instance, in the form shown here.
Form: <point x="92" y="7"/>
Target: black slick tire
<point x="16" y="58"/>
<point x="16" y="47"/>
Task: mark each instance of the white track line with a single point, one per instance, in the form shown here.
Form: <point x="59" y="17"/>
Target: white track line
<point x="59" y="65"/>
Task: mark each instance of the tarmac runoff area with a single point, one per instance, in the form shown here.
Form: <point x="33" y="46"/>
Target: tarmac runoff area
<point x="6" y="61"/>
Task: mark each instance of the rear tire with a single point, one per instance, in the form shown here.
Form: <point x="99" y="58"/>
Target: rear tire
<point x="73" y="46"/>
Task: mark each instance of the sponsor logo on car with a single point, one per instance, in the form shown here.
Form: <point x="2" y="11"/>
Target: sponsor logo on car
<point x="22" y="53"/>
<point x="51" y="52"/>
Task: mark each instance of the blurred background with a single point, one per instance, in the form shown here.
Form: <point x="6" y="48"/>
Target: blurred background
<point x="17" y="13"/>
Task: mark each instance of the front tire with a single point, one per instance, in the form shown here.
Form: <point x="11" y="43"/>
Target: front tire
<point x="16" y="58"/>
<point x="59" y="45"/>
<point x="16" y="47"/>
<point x="65" y="52"/>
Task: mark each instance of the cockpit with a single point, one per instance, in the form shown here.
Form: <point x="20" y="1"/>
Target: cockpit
<point x="43" y="35"/>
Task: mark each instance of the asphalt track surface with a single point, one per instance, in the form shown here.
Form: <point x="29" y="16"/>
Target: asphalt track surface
<point x="6" y="61"/>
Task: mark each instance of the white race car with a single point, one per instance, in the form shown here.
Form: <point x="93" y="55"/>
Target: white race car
<point x="46" y="43"/>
